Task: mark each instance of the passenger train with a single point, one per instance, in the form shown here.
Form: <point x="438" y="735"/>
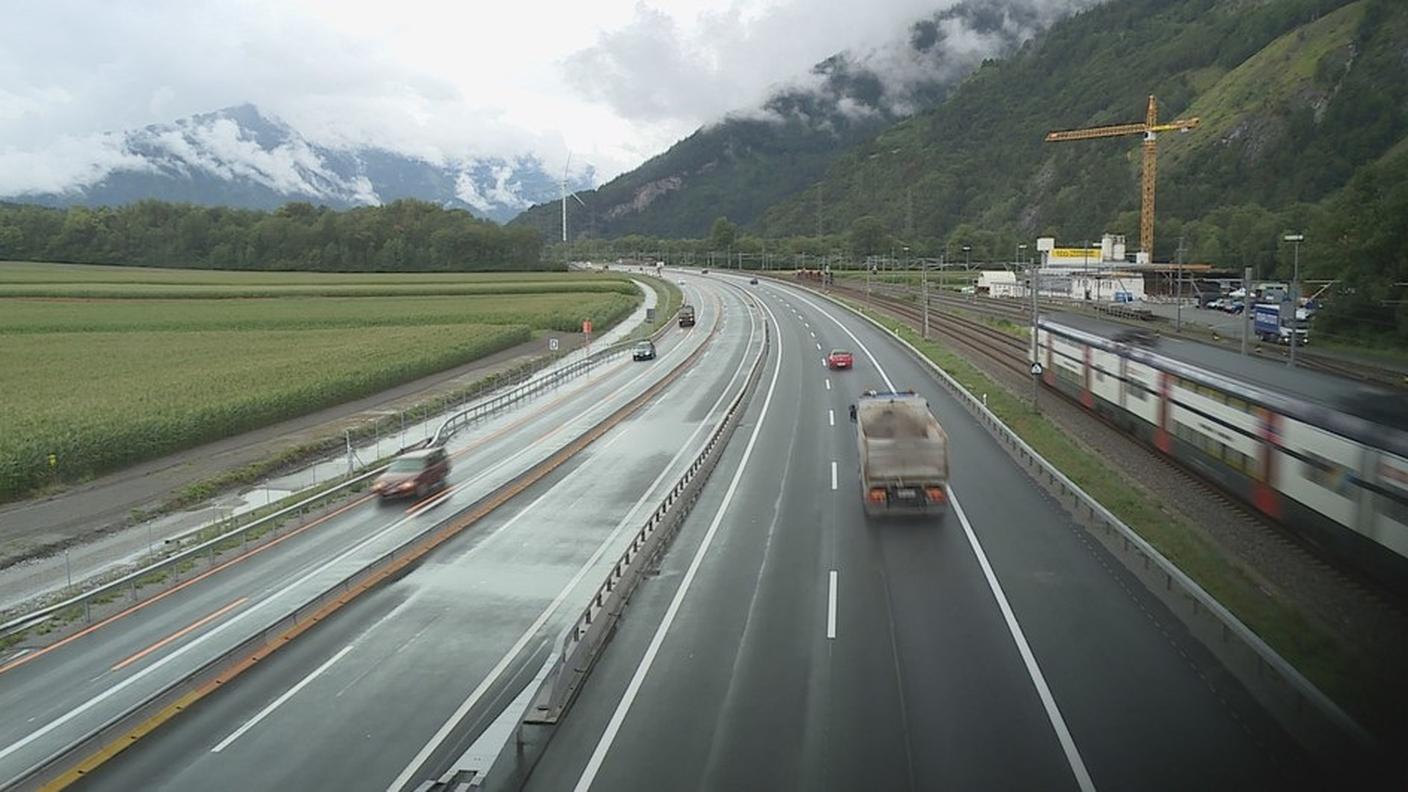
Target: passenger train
<point x="1338" y="474"/>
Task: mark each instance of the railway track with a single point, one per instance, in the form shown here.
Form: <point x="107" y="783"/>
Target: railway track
<point x="1339" y="595"/>
<point x="1020" y="312"/>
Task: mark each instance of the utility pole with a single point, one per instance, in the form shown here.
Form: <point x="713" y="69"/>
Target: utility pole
<point x="923" y="291"/>
<point x="1246" y="315"/>
<point x="1295" y="239"/>
<point x="1178" y="323"/>
<point x="1036" y="358"/>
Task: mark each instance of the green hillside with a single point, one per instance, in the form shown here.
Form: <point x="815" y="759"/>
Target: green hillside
<point x="1305" y="112"/>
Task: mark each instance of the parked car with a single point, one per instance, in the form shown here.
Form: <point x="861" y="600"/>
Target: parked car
<point x="413" y="474"/>
<point x="839" y="359"/>
<point x="645" y="350"/>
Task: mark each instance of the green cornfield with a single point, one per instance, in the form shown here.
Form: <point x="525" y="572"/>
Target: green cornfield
<point x="103" y="373"/>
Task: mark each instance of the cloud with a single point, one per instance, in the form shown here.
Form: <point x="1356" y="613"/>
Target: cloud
<point x="870" y="57"/>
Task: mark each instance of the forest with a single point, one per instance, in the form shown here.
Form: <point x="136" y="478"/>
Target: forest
<point x="402" y="236"/>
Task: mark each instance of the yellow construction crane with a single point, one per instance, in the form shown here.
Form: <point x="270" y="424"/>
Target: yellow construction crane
<point x="1150" y="129"/>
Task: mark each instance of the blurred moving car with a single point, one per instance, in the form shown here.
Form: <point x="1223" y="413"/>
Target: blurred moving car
<point x="752" y="281"/>
<point x="414" y="474"/>
<point x="645" y="350"/>
<point x="839" y="359"/>
<point x="1137" y="335"/>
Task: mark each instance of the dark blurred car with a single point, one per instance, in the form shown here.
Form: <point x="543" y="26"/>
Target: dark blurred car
<point x="413" y="474"/>
<point x="1137" y="335"/>
<point x="752" y="281"/>
<point x="645" y="350"/>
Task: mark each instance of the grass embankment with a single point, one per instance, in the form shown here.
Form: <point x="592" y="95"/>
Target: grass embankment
<point x="104" y="382"/>
<point x="1334" y="668"/>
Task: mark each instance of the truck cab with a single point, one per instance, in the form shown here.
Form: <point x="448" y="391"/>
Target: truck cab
<point x="686" y="315"/>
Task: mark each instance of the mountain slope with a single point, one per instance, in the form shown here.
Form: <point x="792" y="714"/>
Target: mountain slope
<point x="754" y="158"/>
<point x="1296" y="96"/>
<point x="240" y="157"/>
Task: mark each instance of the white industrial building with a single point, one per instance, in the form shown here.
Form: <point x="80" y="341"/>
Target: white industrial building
<point x="1085" y="273"/>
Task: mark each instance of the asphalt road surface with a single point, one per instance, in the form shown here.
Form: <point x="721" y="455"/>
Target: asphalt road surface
<point x="790" y="643"/>
<point x="787" y="642"/>
<point x="528" y="565"/>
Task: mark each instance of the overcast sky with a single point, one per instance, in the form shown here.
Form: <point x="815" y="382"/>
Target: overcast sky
<point x="614" y="81"/>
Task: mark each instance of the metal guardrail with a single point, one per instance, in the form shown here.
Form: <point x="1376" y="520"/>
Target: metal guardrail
<point x="129" y="583"/>
<point x="584" y="639"/>
<point x="152" y="710"/>
<point x="1312" y="718"/>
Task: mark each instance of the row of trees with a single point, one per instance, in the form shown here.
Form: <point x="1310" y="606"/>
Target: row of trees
<point x="404" y="235"/>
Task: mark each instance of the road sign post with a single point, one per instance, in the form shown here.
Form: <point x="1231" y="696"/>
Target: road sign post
<point x="552" y="345"/>
<point x="1036" y="385"/>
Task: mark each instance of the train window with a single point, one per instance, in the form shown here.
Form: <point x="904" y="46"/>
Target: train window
<point x="1393" y="508"/>
<point x="1238" y="404"/>
<point x="1322" y="471"/>
<point x="1136" y="390"/>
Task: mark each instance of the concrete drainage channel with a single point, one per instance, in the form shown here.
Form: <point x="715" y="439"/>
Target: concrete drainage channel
<point x="508" y="750"/>
<point x="1319" y="725"/>
<point x="71" y="762"/>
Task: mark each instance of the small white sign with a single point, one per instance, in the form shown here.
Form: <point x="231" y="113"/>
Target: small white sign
<point x="552" y="344"/>
<point x="1036" y="369"/>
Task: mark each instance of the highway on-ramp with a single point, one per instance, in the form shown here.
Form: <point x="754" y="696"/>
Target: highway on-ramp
<point x="790" y="643"/>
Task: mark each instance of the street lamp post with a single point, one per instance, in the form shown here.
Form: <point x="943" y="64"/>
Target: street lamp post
<point x="1295" y="239"/>
<point x="1032" y="284"/>
<point x="967" y="258"/>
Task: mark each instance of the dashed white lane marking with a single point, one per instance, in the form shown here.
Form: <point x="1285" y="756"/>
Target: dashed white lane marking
<point x="831" y="417"/>
<point x="831" y="607"/>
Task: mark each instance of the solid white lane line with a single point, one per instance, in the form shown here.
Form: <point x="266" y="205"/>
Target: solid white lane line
<point x="498" y="670"/>
<point x="831" y="417"/>
<point x="1053" y="714"/>
<point x="608" y="736"/>
<point x="833" y="475"/>
<point x="852" y="336"/>
<point x="831" y="607"/>
<point x="238" y="618"/>
<point x="276" y="703"/>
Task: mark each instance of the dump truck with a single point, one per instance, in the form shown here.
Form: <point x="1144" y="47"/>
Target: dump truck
<point x="686" y="315"/>
<point x="903" y="455"/>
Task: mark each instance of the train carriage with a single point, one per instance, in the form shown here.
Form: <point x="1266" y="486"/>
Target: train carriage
<point x="1335" y="469"/>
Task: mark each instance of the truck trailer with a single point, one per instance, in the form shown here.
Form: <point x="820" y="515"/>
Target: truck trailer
<point x="903" y="455"/>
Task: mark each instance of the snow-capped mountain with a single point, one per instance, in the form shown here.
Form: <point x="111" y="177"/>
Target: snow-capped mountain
<point x="241" y="157"/>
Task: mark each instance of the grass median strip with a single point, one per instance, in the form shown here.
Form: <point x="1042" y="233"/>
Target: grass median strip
<point x="1335" y="668"/>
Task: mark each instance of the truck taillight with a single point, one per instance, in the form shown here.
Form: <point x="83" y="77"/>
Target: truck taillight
<point x="876" y="495"/>
<point x="935" y="494"/>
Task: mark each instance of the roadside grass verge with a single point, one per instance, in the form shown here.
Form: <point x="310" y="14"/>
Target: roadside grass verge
<point x="1338" y="670"/>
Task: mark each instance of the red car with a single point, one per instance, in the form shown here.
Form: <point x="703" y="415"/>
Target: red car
<point x="839" y="359"/>
<point x="413" y="474"/>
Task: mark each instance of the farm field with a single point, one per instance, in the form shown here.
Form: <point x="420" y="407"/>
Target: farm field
<point x="104" y="382"/>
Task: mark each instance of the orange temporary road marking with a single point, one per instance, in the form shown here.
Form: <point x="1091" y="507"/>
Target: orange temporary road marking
<point x="196" y="625"/>
<point x="163" y="595"/>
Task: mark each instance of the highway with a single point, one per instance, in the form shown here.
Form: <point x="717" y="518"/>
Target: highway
<point x="788" y="643"/>
<point x="393" y="666"/>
